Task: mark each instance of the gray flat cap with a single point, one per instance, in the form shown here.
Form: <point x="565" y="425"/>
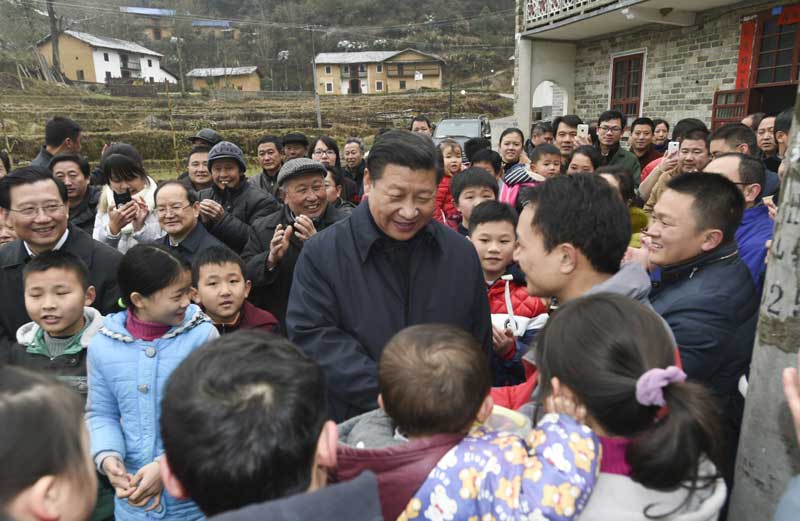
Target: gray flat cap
<point x="300" y="166"/>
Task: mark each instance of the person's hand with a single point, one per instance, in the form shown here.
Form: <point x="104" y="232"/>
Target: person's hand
<point x="791" y="389"/>
<point x="583" y="141"/>
<point x="118" y="218"/>
<point x="278" y="245"/>
<point x="524" y="159"/>
<point x="640" y="254"/>
<point x="669" y="163"/>
<point x="142" y="211"/>
<point x="772" y="208"/>
<point x="120" y="479"/>
<point x="304" y="228"/>
<point x="564" y="405"/>
<point x="503" y="341"/>
<point x="211" y="210"/>
<point x="148" y="487"/>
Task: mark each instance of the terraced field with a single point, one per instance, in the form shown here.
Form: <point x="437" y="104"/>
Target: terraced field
<point x="158" y="126"/>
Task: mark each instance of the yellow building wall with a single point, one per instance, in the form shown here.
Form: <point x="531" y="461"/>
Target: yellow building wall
<point x="429" y="80"/>
<point x="75" y="55"/>
<point x="335" y="78"/>
<point x="249" y="83"/>
<point x="373" y="76"/>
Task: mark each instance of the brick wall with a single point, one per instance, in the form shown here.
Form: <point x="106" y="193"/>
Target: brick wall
<point x="683" y="66"/>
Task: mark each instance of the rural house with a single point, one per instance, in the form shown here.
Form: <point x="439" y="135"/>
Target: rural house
<point x="97" y="59"/>
<point x="158" y="22"/>
<point x="247" y="79"/>
<point x="377" y="72"/>
<point x="716" y="59"/>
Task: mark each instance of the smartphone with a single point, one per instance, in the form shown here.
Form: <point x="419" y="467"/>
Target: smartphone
<point x="583" y="130"/>
<point x="122" y="199"/>
<point x="769" y="200"/>
<point x="673" y="147"/>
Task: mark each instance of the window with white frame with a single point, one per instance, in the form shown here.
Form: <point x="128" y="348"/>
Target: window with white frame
<point x="329" y="87"/>
<point x="379" y="85"/>
<point x="327" y="69"/>
<point x="380" y="67"/>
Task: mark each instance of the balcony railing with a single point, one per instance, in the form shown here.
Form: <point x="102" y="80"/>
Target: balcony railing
<point x="542" y="12"/>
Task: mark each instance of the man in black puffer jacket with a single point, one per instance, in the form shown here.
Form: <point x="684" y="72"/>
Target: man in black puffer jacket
<point x="230" y="207"/>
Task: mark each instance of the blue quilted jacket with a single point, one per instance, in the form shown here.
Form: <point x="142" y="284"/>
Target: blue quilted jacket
<point x="123" y="410"/>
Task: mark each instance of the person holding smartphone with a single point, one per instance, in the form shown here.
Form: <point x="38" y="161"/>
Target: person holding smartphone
<point x="125" y="215"/>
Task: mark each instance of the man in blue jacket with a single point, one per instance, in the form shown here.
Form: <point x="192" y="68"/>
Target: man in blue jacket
<point x="757" y="226"/>
<point x="703" y="289"/>
<point x="388" y="266"/>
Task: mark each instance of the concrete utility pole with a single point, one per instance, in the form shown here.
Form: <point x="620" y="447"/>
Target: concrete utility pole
<point x="768" y="452"/>
<point x="55" y="33"/>
<point x="314" y="78"/>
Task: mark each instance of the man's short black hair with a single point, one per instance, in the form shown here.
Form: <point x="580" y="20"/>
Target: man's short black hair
<point x="248" y="433"/>
<point x="582" y="210"/>
<point x="474" y="145"/>
<point x="492" y="212"/>
<point x="685" y="126"/>
<point x="643" y="121"/>
<point x="218" y="255"/>
<point x="542" y="127"/>
<point x="336" y="174"/>
<point x="545" y="149"/>
<point x="420" y="117"/>
<point x="470" y="177"/>
<point x="751" y="170"/>
<point x="609" y="115"/>
<point x="198" y="149"/>
<point x="191" y="195"/>
<point x="58" y="259"/>
<point x="402" y="148"/>
<point x="82" y="163"/>
<point x="697" y="134"/>
<point x="275" y="140"/>
<point x="783" y="121"/>
<point x="570" y="120"/>
<point x="491" y="157"/>
<point x="27" y="175"/>
<point x="58" y="129"/>
<point x="735" y="134"/>
<point x="718" y="202"/>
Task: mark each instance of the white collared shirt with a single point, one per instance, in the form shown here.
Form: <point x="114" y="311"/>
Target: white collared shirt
<point x="58" y="245"/>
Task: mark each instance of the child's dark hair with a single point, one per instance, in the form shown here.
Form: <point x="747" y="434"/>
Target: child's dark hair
<point x="470" y="177"/>
<point x="58" y="259"/>
<point x="474" y="145"/>
<point x="601" y="363"/>
<point x="588" y="151"/>
<point x="492" y="212"/>
<point x="545" y="149"/>
<point x="433" y="379"/>
<point x="214" y="255"/>
<point x="249" y="433"/>
<point x="119" y="167"/>
<point x="42" y="431"/>
<point x="147" y="269"/>
<point x="624" y="178"/>
<point x="491" y="157"/>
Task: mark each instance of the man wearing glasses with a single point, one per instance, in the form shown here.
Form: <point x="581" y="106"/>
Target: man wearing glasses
<point x="610" y="126"/>
<point x="178" y="213"/>
<point x="35" y="204"/>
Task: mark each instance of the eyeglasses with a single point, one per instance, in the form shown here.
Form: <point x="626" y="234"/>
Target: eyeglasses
<point x="328" y="152"/>
<point x="32" y="211"/>
<point x="606" y="129"/>
<point x="176" y="208"/>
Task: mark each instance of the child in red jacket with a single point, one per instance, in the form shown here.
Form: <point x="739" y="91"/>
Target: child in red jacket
<point x="516" y="316"/>
<point x="446" y="211"/>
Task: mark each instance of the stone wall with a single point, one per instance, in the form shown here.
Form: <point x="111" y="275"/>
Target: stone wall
<point x="683" y="68"/>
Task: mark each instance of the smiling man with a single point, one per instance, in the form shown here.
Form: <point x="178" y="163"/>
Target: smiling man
<point x="387" y="267"/>
<point x="277" y="240"/>
<point x="179" y="216"/>
<point x="36" y="206"/>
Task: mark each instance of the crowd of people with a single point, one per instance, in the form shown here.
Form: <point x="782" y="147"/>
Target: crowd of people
<point x="557" y="329"/>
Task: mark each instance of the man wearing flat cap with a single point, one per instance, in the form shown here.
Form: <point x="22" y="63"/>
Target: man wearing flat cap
<point x="276" y="240"/>
<point x="205" y="137"/>
<point x="295" y="144"/>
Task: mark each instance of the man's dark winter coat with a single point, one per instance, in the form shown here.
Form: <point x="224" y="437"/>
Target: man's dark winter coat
<point x="83" y="215"/>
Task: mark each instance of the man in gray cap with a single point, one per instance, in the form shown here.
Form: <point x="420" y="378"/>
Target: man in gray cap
<point x="276" y="241"/>
<point x="295" y="144"/>
<point x="205" y="137"/>
<point x="231" y="205"/>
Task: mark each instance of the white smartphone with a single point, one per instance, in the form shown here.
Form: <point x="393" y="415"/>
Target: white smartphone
<point x="673" y="147"/>
<point x="583" y="130"/>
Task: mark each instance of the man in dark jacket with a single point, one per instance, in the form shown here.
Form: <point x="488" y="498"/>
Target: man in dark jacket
<point x="610" y="127"/>
<point x="37" y="208"/>
<point x="276" y="241"/>
<point x="409" y="270"/>
<point x="74" y="172"/>
<point x="270" y="150"/>
<point x="61" y="136"/>
<point x="179" y="216"/>
<point x="231" y="205"/>
<point x="703" y="289"/>
<point x="354" y="150"/>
